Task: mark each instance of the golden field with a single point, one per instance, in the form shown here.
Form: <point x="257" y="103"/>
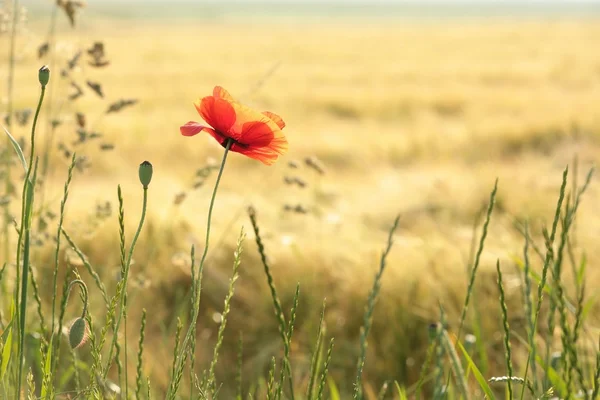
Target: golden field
<point x="409" y="118"/>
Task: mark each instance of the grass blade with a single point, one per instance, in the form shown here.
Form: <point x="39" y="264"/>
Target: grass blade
<point x="477" y="374"/>
<point x="17" y="148"/>
<point x="7" y="349"/>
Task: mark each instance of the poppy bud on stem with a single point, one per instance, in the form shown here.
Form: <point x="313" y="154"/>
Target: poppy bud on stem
<point x="145" y="173"/>
<point x="78" y="330"/>
<point x="44" y="75"/>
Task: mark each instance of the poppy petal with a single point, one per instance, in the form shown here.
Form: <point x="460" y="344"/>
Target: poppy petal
<point x="257" y="133"/>
<point x="276" y="118"/>
<point x="218" y="113"/>
<point x="252" y="126"/>
<point x="193" y="128"/>
<point x="266" y="155"/>
<point x="218" y="137"/>
<point x="221" y="93"/>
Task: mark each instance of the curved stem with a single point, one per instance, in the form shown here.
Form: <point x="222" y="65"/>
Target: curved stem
<point x="195" y="285"/>
<point x="84" y="290"/>
<point x="124" y="281"/>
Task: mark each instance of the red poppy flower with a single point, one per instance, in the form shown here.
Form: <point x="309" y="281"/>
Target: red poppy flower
<point x="254" y="134"/>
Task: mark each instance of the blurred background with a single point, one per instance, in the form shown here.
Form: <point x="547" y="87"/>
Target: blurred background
<point x="392" y="107"/>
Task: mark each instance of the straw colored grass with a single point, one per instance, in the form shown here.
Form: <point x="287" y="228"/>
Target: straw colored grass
<point x="410" y="118"/>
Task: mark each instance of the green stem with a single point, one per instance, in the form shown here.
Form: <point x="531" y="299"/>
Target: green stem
<point x="196" y="294"/>
<point x="124" y="280"/>
<point x="27" y="206"/>
<point x="84" y="290"/>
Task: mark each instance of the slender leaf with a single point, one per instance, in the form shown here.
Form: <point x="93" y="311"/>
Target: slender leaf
<point x="17" y="149"/>
<point x="478" y="376"/>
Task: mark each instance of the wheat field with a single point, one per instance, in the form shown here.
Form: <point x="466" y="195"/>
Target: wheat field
<point x="409" y="118"/>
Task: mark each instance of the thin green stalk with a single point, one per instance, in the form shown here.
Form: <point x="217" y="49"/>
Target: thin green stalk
<point x="316" y="356"/>
<point x="529" y="308"/>
<point x="195" y="292"/>
<point x="486" y="224"/>
<point x="428" y="357"/>
<point x="276" y="303"/>
<point x="27" y="208"/>
<point x="369" y="313"/>
<point x="506" y="329"/>
<point x="325" y="370"/>
<point x="286" y="354"/>
<point x="88" y="267"/>
<point x="548" y="259"/>
<point x="56" y="253"/>
<point x="180" y="361"/>
<point x="124" y="278"/>
<point x="238" y="377"/>
<point x="38" y="301"/>
<point x="210" y="383"/>
<point x="125" y="346"/>
<point x="455" y="365"/>
<point x="138" y="379"/>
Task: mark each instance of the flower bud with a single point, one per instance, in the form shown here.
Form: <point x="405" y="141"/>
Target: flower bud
<point x="44" y="75"/>
<point x="77" y="333"/>
<point x="145" y="173"/>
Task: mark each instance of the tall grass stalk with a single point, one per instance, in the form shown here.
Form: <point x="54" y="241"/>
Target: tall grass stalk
<point x="237" y="259"/>
<point x="25" y="231"/>
<point x="286" y="354"/>
<point x="325" y="370"/>
<point x="433" y="336"/>
<point x="473" y="271"/>
<point x="527" y="289"/>
<point x="274" y="297"/>
<point x="181" y="356"/>
<point x="506" y="330"/>
<point x="357" y="393"/>
<point x="316" y="356"/>
<point x="125" y="276"/>
<point x="61" y="217"/>
<point x="138" y="378"/>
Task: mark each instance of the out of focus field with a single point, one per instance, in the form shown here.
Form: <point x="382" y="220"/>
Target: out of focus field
<point x="409" y="117"/>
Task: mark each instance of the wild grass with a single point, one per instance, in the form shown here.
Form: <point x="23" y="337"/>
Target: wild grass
<point x="503" y="307"/>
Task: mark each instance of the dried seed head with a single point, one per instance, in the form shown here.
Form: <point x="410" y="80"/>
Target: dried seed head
<point x="78" y="333"/>
<point x="44" y="75"/>
<point x="315" y="164"/>
<point x="145" y="173"/>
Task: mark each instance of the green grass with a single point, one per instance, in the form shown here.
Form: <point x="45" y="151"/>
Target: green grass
<point x="526" y="329"/>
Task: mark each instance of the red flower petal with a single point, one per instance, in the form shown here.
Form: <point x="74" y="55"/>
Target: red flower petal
<point x="217" y="112"/>
<point x="193" y="128"/>
<point x="276" y="118"/>
<point x="256" y="135"/>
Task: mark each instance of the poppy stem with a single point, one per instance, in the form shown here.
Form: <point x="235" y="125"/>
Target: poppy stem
<point x="228" y="144"/>
<point x="174" y="386"/>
